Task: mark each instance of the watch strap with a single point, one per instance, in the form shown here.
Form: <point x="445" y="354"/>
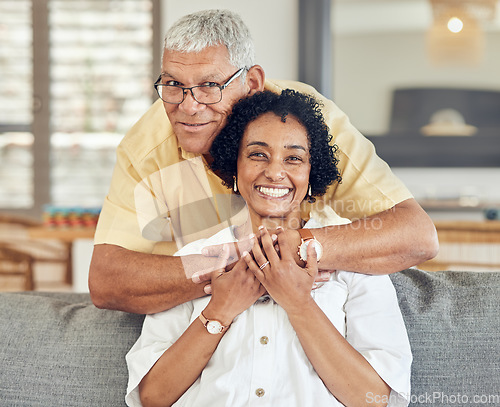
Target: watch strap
<point x="305" y="234"/>
<point x="203" y="320"/>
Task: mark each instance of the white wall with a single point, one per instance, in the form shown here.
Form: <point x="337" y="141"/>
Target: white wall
<point x="380" y="45"/>
<point x="272" y="23"/>
<point x="431" y="183"/>
<point x="367" y="68"/>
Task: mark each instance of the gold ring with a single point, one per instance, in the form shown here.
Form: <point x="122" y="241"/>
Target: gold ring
<point x="264" y="265"/>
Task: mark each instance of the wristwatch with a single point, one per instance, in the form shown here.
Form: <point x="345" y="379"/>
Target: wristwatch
<point x="213" y="326"/>
<point x="306" y="237"/>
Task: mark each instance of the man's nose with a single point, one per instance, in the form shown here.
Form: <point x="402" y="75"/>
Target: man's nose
<point x="189" y="104"/>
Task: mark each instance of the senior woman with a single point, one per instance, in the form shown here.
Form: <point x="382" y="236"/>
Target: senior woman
<point x="264" y="337"/>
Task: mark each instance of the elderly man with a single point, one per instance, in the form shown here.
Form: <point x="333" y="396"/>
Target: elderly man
<point x="162" y="195"/>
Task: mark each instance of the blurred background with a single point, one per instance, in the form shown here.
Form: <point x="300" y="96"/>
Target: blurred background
<point x="418" y="77"/>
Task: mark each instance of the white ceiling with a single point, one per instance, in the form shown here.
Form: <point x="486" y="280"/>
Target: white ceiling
<point x="363" y="16"/>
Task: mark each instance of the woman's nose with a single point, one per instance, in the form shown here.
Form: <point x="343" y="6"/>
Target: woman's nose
<point x="274" y="171"/>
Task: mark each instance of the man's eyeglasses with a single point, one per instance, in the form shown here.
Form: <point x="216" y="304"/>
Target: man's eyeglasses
<point x="206" y="94"/>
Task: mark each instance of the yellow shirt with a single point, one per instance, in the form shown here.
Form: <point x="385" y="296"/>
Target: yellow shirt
<point x="162" y="197"/>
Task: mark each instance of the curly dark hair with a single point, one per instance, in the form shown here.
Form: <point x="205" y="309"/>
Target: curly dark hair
<point x="305" y="109"/>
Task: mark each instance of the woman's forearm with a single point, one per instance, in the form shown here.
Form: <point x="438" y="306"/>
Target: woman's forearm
<point x="179" y="366"/>
<point x="344" y="371"/>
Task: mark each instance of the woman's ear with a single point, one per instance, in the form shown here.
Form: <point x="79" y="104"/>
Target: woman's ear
<point x="255" y="79"/>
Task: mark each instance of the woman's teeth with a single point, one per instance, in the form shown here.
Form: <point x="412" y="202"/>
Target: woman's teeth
<point x="274" y="192"/>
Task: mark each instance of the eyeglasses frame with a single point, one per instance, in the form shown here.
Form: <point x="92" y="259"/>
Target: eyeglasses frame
<point x="157" y="84"/>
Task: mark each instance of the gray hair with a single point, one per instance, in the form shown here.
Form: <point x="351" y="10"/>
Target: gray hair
<point x="197" y="31"/>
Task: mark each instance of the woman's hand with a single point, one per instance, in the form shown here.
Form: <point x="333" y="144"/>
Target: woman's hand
<point x="232" y="291"/>
<point x="289" y="284"/>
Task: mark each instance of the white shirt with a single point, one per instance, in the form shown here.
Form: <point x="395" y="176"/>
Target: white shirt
<point x="260" y="361"/>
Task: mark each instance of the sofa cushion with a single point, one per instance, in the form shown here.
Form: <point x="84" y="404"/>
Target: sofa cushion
<point x="59" y="350"/>
<point x="453" y="323"/>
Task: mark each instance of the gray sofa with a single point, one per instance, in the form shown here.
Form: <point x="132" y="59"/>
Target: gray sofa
<point x="57" y="349"/>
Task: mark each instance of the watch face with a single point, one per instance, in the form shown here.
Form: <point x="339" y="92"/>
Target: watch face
<point x="317" y="247"/>
<point x="214" y="327"/>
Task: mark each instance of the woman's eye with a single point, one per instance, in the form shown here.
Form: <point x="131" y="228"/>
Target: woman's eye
<point x="257" y="155"/>
<point x="294" y="159"/>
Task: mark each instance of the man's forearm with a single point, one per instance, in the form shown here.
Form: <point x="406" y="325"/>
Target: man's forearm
<point x="384" y="243"/>
<point x="142" y="283"/>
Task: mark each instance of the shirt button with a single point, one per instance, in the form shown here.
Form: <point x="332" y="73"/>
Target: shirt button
<point x="260" y="392"/>
<point x="264" y="340"/>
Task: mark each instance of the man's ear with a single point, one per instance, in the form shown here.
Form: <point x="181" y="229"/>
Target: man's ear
<point x="255" y="79"/>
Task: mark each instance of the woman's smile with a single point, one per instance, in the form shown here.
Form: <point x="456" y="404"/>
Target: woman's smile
<point x="273" y="192"/>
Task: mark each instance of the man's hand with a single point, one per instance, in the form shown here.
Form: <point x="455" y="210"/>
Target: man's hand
<point x="217" y="251"/>
<point x="199" y="268"/>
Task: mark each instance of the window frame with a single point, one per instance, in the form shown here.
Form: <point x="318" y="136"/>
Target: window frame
<point x="40" y="126"/>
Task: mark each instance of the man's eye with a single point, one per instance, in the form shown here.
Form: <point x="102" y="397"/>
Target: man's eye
<point x="210" y="84"/>
<point x="172" y="83"/>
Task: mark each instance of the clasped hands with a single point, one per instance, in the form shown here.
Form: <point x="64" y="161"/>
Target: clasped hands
<point x="271" y="265"/>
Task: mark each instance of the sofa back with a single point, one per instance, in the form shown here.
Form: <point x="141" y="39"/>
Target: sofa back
<point x="59" y="350"/>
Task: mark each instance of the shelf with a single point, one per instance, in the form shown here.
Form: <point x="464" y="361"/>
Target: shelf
<point x="66" y="235"/>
